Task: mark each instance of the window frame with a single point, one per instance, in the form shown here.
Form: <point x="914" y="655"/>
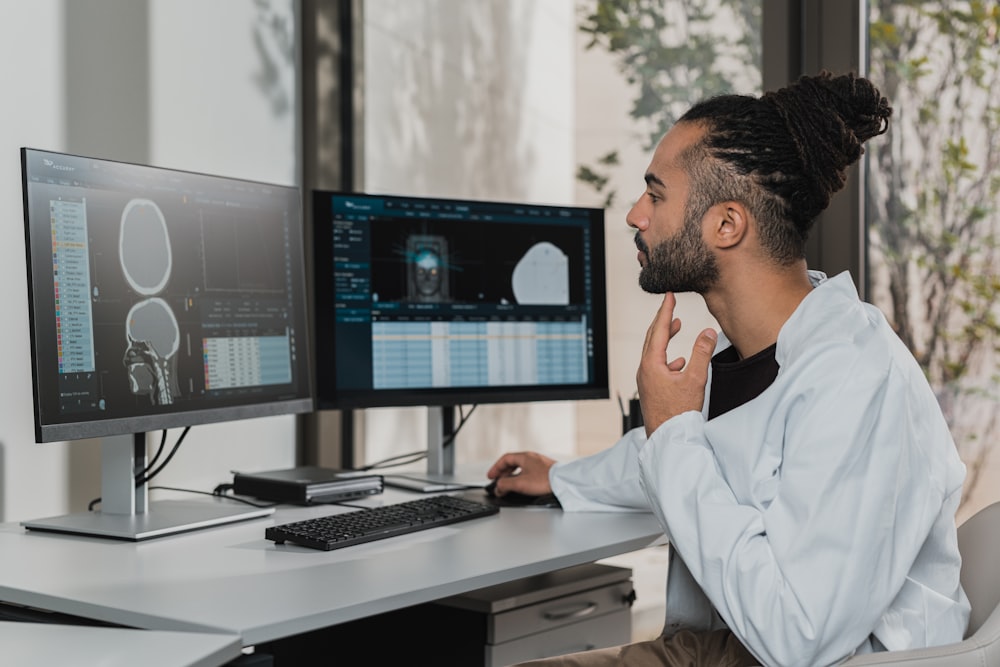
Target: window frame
<point x="804" y="37"/>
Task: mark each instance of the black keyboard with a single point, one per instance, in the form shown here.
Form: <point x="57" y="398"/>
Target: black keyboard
<point x="344" y="530"/>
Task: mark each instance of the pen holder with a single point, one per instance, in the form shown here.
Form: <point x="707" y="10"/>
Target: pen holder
<point x="633" y="418"/>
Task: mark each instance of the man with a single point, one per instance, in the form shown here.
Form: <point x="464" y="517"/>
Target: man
<point x="804" y="474"/>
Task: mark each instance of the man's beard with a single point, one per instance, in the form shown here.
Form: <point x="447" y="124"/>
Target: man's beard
<point x="681" y="263"/>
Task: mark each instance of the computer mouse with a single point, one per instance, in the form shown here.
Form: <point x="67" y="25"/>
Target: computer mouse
<point x="516" y="499"/>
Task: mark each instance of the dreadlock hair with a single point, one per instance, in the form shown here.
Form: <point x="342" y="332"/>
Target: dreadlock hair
<point x="782" y="155"/>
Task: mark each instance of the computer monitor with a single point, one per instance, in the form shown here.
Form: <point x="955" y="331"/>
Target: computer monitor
<point x="441" y="302"/>
<point x="158" y="298"/>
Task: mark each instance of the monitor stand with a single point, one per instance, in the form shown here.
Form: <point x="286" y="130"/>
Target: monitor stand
<point x="440" y="475"/>
<point x="127" y="514"/>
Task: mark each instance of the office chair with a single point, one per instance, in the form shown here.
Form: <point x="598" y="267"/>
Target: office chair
<point x="979" y="544"/>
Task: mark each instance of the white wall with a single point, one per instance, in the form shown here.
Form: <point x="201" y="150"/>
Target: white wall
<point x="209" y="114"/>
<point x="31" y="60"/>
<point x="206" y="114"/>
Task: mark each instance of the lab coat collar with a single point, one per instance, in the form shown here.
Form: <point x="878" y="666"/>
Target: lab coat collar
<point x="788" y="338"/>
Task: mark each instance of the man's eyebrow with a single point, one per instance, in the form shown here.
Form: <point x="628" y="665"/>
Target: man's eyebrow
<point x="653" y="179"/>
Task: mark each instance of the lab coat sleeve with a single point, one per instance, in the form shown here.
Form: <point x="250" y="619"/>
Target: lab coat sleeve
<point x="607" y="481"/>
<point x="805" y="579"/>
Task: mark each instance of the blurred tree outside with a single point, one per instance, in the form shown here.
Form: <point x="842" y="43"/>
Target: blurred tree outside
<point x="673" y="53"/>
<point x="274" y="42"/>
<point x="933" y="211"/>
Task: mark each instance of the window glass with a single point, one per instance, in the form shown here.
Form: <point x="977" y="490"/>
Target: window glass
<point x="640" y="64"/>
<point x="471" y="100"/>
<point x="550" y="102"/>
<point x="932" y="211"/>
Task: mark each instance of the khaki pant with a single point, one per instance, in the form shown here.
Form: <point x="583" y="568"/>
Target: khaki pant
<point x="685" y="649"/>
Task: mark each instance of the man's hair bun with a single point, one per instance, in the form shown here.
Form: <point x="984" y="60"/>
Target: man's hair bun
<point x="829" y="118"/>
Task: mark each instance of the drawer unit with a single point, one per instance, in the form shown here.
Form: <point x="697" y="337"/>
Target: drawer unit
<point x="559" y="612"/>
<point x="598" y="632"/>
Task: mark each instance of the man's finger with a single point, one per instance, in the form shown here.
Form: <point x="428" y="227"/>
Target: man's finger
<point x="658" y="334"/>
<point x="701" y="353"/>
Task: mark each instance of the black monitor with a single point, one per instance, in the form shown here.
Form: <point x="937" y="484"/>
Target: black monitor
<point x="444" y="302"/>
<point x="158" y="298"/>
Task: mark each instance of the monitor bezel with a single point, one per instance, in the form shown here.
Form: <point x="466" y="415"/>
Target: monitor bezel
<point x="54" y="431"/>
<point x="330" y="397"/>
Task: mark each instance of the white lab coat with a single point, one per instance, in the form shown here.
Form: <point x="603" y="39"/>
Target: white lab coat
<point x="817" y="520"/>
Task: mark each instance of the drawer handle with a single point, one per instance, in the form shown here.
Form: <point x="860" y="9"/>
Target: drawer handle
<point x="586" y="608"/>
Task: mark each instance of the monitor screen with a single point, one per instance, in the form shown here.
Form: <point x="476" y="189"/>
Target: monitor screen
<point x="160" y="298"/>
<point x="425" y="301"/>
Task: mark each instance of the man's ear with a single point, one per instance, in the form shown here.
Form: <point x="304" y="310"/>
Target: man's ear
<point x="728" y="224"/>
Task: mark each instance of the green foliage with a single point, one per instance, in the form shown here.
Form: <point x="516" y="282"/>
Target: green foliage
<point x="585" y="174"/>
<point x="934" y="188"/>
<point x="673" y="54"/>
<point x="599" y="181"/>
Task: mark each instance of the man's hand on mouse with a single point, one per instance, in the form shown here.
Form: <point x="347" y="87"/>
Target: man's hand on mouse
<point x="523" y="472"/>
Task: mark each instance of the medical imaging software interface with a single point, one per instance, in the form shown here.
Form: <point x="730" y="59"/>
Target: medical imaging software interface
<point x="158" y="291"/>
<point x="448" y="294"/>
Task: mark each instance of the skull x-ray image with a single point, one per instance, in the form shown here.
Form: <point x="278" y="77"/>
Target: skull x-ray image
<point x="152" y="336"/>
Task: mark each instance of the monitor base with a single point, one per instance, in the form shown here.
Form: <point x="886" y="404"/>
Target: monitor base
<point x="165" y="517"/>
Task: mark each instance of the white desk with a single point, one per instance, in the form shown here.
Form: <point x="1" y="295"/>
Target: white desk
<point x="231" y="580"/>
<point x="46" y="644"/>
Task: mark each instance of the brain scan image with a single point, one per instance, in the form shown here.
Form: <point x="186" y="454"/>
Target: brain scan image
<point x="427" y="268"/>
<point x="541" y="276"/>
<point x="144" y="247"/>
<point x="152" y="336"/>
<point x="428" y="273"/>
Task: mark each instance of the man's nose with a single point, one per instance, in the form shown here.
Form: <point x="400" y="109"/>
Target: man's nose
<point x="637" y="217"/>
